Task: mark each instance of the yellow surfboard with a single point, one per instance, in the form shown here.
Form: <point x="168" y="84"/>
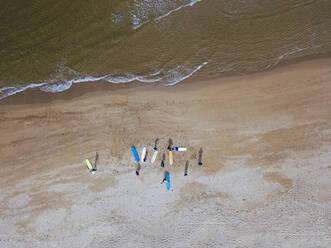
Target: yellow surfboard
<point x="171" y="159"/>
<point x="89" y="165"/>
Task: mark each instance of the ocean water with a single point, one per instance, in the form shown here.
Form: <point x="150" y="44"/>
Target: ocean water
<point x="53" y="44"/>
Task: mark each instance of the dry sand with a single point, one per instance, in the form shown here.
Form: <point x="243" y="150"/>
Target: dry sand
<point x="265" y="179"/>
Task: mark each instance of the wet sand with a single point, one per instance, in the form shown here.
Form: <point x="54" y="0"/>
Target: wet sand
<point x="265" y="179"/>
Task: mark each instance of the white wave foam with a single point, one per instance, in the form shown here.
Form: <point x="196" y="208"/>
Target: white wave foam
<point x="12" y="90"/>
<point x="285" y="55"/>
<point x="120" y="78"/>
<point x="180" y="7"/>
<point x="145" y="10"/>
<point x="177" y="77"/>
<point x="116" y="18"/>
<point x="88" y="79"/>
<point x="164" y="77"/>
<point x="136" y="21"/>
<point x="56" y="87"/>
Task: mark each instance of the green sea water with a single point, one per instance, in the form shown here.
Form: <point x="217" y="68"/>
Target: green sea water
<point x="52" y="42"/>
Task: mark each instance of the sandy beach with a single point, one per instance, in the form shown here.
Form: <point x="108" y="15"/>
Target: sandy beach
<point x="265" y="179"/>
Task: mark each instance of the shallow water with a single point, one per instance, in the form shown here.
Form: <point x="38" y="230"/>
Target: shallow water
<point x="53" y="44"/>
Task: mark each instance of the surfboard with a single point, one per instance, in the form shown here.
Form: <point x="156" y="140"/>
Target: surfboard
<point x="143" y="154"/>
<point x="168" y="180"/>
<point x="171" y="159"/>
<point x="89" y="165"/>
<point x="154" y="155"/>
<point x="180" y="149"/>
<point x="135" y="154"/>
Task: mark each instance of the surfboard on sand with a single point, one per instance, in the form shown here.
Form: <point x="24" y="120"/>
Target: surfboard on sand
<point x="180" y="149"/>
<point x="154" y="155"/>
<point x="168" y="180"/>
<point x="155" y="151"/>
<point x="143" y="155"/>
<point x="171" y="159"/>
<point x="135" y="154"/>
<point x="89" y="166"/>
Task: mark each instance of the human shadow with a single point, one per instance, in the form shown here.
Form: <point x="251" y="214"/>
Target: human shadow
<point x="96" y="160"/>
<point x="200" y="157"/>
<point x="170" y="143"/>
<point x="163" y="158"/>
<point x="186" y="168"/>
<point x="138" y="169"/>
<point x="156" y="143"/>
<point x="146" y="154"/>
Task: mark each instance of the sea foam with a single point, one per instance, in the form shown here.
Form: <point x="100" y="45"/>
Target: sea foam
<point x="163" y="77"/>
<point x="146" y="10"/>
<point x="178" y="8"/>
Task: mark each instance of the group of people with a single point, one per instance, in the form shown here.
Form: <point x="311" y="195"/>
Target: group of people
<point x="143" y="158"/>
<point x="155" y="149"/>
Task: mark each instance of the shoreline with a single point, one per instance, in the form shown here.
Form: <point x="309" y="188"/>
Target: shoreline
<point x="266" y="145"/>
<point x="36" y="96"/>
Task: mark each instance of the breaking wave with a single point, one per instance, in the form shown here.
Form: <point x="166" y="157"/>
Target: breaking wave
<point x="165" y="78"/>
<point x="178" y="8"/>
<point x="144" y="11"/>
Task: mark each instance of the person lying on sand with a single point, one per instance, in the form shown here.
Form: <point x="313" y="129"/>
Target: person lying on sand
<point x="165" y="177"/>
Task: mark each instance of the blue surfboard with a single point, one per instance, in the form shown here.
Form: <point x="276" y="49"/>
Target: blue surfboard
<point x="168" y="180"/>
<point x="135" y="153"/>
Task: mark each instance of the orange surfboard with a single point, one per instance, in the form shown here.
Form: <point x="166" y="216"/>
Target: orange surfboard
<point x="171" y="159"/>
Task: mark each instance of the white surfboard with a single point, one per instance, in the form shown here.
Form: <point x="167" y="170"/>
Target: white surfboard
<point x="143" y="154"/>
<point x="154" y="156"/>
<point x="180" y="149"/>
